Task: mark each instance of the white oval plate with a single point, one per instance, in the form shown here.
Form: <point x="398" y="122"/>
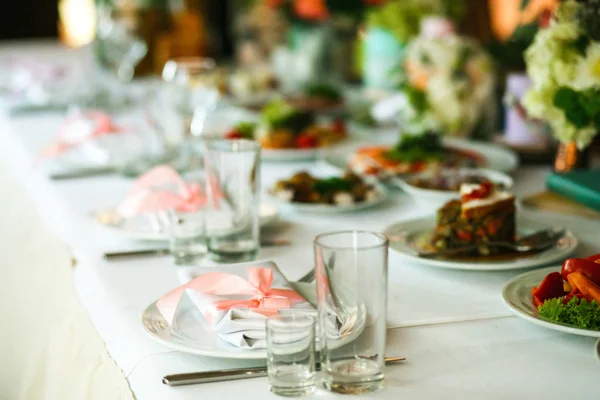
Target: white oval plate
<point x="517" y="296"/>
<point x="437" y="198"/>
<point x="290" y="155"/>
<point x="404" y="230"/>
<point x="496" y="157"/>
<point x="140" y="227"/>
<point x="382" y="194"/>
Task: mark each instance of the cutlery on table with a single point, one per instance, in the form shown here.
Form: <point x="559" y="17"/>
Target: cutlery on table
<point x="233" y="374"/>
<point x="165" y="251"/>
<point x="82" y="173"/>
<point x="538" y="241"/>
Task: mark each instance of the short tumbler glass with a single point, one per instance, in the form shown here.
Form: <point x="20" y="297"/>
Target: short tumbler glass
<point x="188" y="236"/>
<point x="232" y="170"/>
<point x="351" y="271"/>
<point x="291" y="355"/>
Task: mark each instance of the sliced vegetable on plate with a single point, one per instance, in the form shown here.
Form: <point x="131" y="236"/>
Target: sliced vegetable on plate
<point x="571" y="296"/>
<point x="284" y="127"/>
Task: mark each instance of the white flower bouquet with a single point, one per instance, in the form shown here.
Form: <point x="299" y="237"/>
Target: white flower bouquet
<point x="449" y="84"/>
<point x="564" y="65"/>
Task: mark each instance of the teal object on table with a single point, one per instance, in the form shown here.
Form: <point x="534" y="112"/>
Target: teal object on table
<point x="582" y="186"/>
<point x="383" y="55"/>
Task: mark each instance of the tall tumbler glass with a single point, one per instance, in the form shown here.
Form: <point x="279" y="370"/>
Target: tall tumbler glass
<point x="351" y="269"/>
<point x="232" y="170"/>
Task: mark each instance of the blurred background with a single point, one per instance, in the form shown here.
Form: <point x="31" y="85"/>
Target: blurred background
<point x="225" y="28"/>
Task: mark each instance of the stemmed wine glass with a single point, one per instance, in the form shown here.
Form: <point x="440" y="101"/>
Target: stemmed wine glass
<point x="122" y="50"/>
<point x="194" y="89"/>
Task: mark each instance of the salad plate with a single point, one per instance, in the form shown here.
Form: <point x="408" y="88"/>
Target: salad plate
<point x="405" y="236"/>
<point x="484" y="155"/>
<point x="517" y="296"/>
<point x="144" y="227"/>
<point x="305" y="193"/>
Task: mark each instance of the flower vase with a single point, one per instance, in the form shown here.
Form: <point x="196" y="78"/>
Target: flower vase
<point x="308" y="57"/>
<point x="382" y="58"/>
<point x="569" y="158"/>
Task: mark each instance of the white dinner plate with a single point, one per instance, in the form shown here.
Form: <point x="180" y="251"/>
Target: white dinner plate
<point x="517" y="296"/>
<point x="496" y="157"/>
<point x="291" y="155"/>
<point x="331" y="208"/>
<point x="403" y="233"/>
<point x="190" y="333"/>
<point x="141" y="228"/>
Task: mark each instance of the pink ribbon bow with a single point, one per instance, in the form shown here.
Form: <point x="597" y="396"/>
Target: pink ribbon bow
<point x="161" y="189"/>
<point x="103" y="125"/>
<point x="265" y="299"/>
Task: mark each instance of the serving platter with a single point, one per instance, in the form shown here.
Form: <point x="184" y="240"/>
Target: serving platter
<point x="517" y="296"/>
<point x="404" y="236"/>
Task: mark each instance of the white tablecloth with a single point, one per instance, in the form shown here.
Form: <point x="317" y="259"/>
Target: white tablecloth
<point x="460" y="339"/>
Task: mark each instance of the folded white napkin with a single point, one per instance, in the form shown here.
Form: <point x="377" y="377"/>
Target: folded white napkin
<point x="240" y="326"/>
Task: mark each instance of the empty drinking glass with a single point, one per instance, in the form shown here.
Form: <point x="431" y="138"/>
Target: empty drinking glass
<point x="291" y="354"/>
<point x="123" y="48"/>
<point x="187" y="236"/>
<point x="194" y="88"/>
<point x="232" y="169"/>
<point x="351" y="270"/>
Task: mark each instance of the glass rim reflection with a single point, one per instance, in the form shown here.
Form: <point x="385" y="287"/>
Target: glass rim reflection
<point x="233" y="145"/>
<point x="384" y="241"/>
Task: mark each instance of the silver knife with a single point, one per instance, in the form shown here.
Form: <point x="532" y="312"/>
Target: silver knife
<point x="193" y="378"/>
<point x="82" y="173"/>
<point x="165" y="252"/>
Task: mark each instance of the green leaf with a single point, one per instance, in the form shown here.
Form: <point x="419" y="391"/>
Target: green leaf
<point x="570" y="102"/>
<point x="590" y="101"/>
<point x="565" y="98"/>
<point x="579" y="313"/>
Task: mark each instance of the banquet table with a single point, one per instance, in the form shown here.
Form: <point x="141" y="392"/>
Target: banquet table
<point x="459" y="338"/>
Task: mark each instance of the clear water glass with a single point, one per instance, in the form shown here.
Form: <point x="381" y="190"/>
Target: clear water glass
<point x="291" y="355"/>
<point x="351" y="270"/>
<point x="194" y="88"/>
<point x="187" y="233"/>
<point x="232" y="179"/>
<point x="123" y="48"/>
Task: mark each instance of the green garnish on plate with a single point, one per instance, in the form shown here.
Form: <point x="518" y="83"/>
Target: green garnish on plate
<point x="281" y="115"/>
<point x="332" y="185"/>
<point x="246" y="129"/>
<point x="413" y="148"/>
<point x="579" y="313"/>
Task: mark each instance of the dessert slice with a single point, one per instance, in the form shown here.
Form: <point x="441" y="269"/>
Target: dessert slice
<point x="482" y="215"/>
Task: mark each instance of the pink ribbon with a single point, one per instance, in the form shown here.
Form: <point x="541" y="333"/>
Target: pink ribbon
<point x="265" y="299"/>
<point x="103" y="125"/>
<point x="149" y="193"/>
